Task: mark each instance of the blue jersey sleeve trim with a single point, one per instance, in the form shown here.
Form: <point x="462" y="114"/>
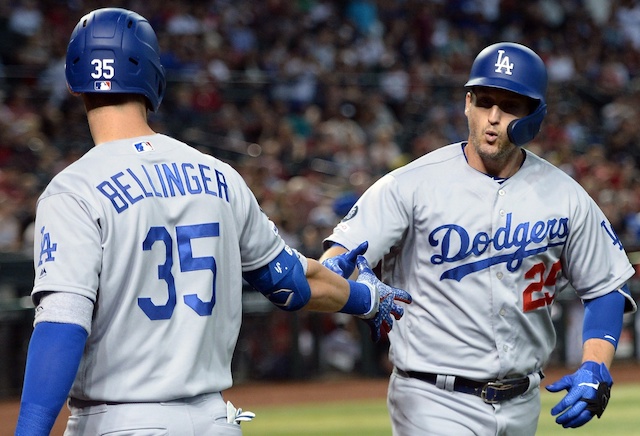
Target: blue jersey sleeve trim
<point x="630" y="305"/>
<point x="53" y="358"/>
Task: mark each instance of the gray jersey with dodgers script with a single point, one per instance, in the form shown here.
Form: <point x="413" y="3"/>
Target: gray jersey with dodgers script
<point x="157" y="234"/>
<point x="484" y="260"/>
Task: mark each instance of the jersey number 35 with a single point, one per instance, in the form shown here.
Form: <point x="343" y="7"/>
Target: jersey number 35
<point x="184" y="235"/>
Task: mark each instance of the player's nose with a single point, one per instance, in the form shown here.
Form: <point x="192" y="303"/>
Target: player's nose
<point x="494" y="114"/>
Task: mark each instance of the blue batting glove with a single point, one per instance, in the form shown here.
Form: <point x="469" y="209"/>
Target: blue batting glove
<point x="589" y="389"/>
<point x="387" y="296"/>
<point x="344" y="264"/>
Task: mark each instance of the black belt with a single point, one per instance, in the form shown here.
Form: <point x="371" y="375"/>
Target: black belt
<point x="80" y="404"/>
<point x="491" y="392"/>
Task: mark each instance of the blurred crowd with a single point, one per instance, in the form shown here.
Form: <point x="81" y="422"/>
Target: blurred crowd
<point x="313" y="100"/>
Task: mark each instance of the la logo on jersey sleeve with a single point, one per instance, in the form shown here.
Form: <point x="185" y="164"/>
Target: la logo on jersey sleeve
<point x="47" y="251"/>
<point x="608" y="228"/>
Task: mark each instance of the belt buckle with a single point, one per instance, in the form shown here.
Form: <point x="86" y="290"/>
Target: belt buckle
<point x="495" y="387"/>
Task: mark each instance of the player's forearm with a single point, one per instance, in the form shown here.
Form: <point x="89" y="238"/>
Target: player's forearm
<point x="329" y="291"/>
<point x="53" y="358"/>
<point x="599" y="351"/>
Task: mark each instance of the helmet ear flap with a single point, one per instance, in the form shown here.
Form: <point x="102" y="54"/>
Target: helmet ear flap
<point x="523" y="130"/>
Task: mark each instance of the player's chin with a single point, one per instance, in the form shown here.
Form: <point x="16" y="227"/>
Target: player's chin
<point x="496" y="150"/>
<point x="490" y="151"/>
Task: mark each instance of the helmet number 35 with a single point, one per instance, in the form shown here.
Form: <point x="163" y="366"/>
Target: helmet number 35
<point x="103" y="68"/>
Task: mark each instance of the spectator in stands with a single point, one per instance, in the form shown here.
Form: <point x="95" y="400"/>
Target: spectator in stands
<point x="300" y="89"/>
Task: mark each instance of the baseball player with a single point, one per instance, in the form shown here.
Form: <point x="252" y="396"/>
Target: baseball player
<point x="141" y="247"/>
<point x="487" y="235"/>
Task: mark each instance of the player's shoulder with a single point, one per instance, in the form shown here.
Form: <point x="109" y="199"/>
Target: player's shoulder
<point x="439" y="156"/>
<point x="109" y="160"/>
<point x="547" y="171"/>
<point x="189" y="151"/>
<point x="439" y="162"/>
<point x="552" y="180"/>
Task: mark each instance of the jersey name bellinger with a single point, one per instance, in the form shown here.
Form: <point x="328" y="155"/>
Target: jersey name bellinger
<point x="127" y="187"/>
<point x="455" y="244"/>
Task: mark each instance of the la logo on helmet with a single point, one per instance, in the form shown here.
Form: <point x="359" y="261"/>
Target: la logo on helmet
<point x="503" y="62"/>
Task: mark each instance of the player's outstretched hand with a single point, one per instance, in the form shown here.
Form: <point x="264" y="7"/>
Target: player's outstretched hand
<point x="387" y="297"/>
<point x="344" y="264"/>
<point x="589" y="389"/>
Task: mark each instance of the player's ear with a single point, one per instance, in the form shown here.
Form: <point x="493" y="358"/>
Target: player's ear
<point x="467" y="103"/>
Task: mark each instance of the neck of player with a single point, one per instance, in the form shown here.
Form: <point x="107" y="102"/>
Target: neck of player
<point x="499" y="165"/>
<point x="115" y="122"/>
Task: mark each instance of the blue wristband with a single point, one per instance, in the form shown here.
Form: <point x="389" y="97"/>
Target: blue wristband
<point x="359" y="302"/>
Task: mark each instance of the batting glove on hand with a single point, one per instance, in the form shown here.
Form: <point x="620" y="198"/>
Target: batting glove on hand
<point x="344" y="264"/>
<point x="238" y="415"/>
<point x="589" y="389"/>
<point x="386" y="297"/>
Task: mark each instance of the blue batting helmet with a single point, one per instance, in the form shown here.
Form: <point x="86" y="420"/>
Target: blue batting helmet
<point x="515" y="68"/>
<point x="114" y="50"/>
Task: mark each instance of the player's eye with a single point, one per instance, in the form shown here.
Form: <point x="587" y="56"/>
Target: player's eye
<point x="513" y="107"/>
<point x="484" y="102"/>
<point x="508" y="106"/>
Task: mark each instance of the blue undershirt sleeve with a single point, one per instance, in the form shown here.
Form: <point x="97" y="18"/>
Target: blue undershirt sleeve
<point x="603" y="317"/>
<point x="53" y="358"/>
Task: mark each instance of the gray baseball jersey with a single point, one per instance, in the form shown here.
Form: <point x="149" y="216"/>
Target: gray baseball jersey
<point x="483" y="260"/>
<point x="157" y="234"/>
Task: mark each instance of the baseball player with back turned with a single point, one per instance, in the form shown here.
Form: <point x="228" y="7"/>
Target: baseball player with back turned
<point x="487" y="234"/>
<point x="141" y="248"/>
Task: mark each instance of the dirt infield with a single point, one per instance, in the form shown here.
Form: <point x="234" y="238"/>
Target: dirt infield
<point x="248" y="395"/>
